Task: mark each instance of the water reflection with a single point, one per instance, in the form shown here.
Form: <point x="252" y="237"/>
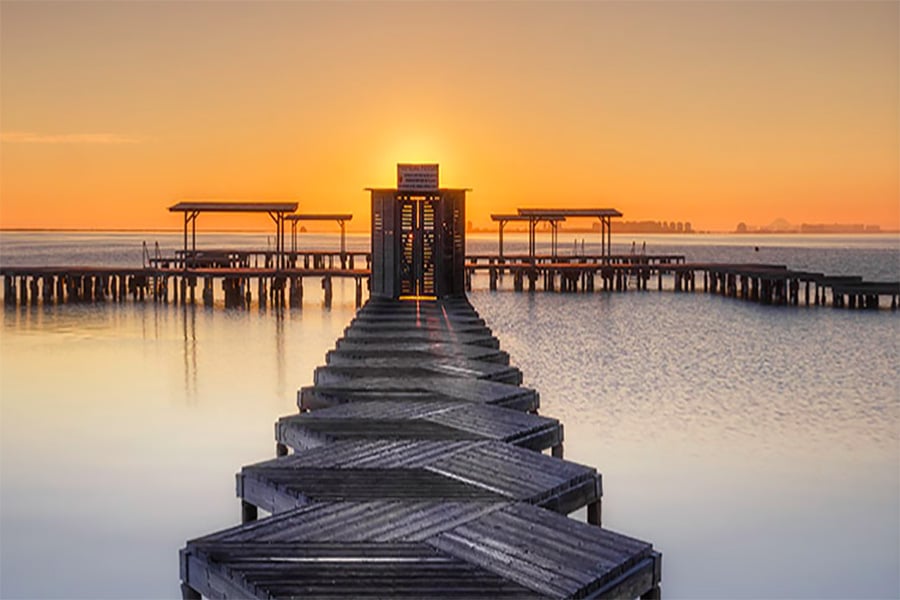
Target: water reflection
<point x="189" y="320"/>
<point x="121" y="428"/>
<point x="756" y="447"/>
<point x="280" y="352"/>
<point x="736" y="437"/>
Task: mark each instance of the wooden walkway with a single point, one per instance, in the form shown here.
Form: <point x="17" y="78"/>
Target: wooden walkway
<point x="418" y="420"/>
<point x="245" y="282"/>
<point x="762" y="283"/>
<point x="418" y="474"/>
<point x="25" y="286"/>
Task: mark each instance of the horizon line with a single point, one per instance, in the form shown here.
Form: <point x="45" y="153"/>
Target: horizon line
<point x="368" y="231"/>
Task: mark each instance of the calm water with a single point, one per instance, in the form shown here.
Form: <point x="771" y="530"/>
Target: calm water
<point x="757" y="447"/>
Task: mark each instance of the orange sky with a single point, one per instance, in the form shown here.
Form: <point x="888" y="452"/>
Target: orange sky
<point x="708" y="112"/>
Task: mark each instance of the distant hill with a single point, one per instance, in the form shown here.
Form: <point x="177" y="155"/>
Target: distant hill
<point x="780" y="225"/>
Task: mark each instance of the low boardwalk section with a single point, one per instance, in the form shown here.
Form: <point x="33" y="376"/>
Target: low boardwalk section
<point x="241" y="282"/>
<point x="414" y="469"/>
<point x="240" y="287"/>
<point x="346" y="369"/>
<point x="763" y="283"/>
<point x="419" y="549"/>
<point x="418" y="420"/>
<point x="418" y="466"/>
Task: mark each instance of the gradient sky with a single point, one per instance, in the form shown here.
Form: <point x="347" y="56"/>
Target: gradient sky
<point x="708" y="112"/>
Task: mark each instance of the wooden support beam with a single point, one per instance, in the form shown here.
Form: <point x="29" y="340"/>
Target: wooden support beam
<point x="594" y="513"/>
<point x="249" y="512"/>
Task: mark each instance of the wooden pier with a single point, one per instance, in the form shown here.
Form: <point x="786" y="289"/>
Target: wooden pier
<point x="422" y="474"/>
<point x="762" y="283"/>
<point x="418" y="465"/>
<point x="240" y="287"/>
<point x="248" y="278"/>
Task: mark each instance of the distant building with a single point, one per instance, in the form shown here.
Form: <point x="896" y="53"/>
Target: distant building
<point x="838" y="228"/>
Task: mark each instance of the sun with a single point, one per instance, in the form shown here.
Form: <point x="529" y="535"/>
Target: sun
<point x="419" y="147"/>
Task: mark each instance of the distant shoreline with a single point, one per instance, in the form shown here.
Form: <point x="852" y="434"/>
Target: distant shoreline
<point x="476" y="230"/>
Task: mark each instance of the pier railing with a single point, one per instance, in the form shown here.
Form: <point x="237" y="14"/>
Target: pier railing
<point x="263" y="259"/>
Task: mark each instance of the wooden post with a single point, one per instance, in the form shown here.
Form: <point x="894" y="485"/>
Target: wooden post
<point x="9" y="291"/>
<point x="249" y="512"/>
<point x="261" y="292"/>
<point x="652" y="594"/>
<point x="326" y="285"/>
<point x="359" y="291"/>
<point x="207" y="292"/>
<point x="594" y="513"/>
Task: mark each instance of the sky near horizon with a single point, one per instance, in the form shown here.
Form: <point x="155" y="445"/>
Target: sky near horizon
<point x="708" y="112"/>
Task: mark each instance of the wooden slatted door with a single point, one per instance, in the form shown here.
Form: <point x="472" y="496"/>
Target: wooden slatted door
<point x="417" y="253"/>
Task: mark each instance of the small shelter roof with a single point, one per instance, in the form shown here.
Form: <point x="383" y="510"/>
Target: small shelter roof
<point x="569" y="212"/>
<point x="329" y="217"/>
<point x="417" y="192"/>
<point x="261" y="207"/>
<point x="523" y="218"/>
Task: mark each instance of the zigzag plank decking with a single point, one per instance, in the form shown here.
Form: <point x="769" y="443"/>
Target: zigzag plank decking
<point x="439" y="420"/>
<point x="418" y="471"/>
<point x="401" y="469"/>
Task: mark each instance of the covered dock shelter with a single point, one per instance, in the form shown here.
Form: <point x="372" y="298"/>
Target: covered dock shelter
<point x="536" y="215"/>
<point x="340" y="218"/>
<point x="502" y="220"/>
<point x="277" y="211"/>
